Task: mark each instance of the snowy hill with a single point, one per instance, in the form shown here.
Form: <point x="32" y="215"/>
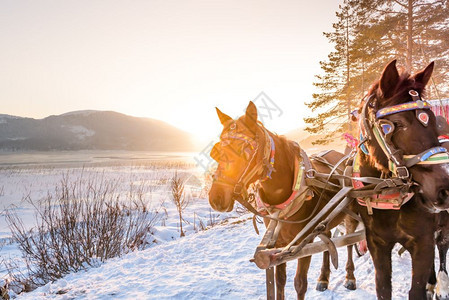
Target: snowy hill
<point x="212" y="264"/>
<point x="99" y="130"/>
<point x="206" y="264"/>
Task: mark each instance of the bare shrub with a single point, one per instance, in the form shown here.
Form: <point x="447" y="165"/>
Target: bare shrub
<point x="208" y="223"/>
<point x="83" y="222"/>
<point x="4" y="287"/>
<point x="178" y="197"/>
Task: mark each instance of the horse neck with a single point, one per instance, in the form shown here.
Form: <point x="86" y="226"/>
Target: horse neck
<point x="278" y="188"/>
<point x="366" y="167"/>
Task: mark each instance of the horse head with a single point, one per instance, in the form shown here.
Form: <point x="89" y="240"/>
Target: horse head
<point x="238" y="158"/>
<point x="400" y="134"/>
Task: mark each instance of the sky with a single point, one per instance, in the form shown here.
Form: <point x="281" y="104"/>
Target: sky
<point x="170" y="60"/>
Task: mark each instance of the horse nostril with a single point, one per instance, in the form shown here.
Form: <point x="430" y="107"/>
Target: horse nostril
<point x="443" y="197"/>
<point x="220" y="199"/>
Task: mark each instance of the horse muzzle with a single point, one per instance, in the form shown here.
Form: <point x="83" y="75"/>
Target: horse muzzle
<point x="433" y="185"/>
<point x="220" y="198"/>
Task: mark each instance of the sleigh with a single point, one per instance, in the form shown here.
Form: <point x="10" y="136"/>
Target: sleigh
<point x="348" y="190"/>
<point x="267" y="257"/>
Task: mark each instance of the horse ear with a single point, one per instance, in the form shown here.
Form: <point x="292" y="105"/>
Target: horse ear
<point x="424" y="76"/>
<point x="251" y="115"/>
<point x="222" y="116"/>
<point x="389" y="79"/>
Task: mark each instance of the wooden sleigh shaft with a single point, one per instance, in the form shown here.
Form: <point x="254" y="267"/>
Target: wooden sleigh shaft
<point x="268" y="258"/>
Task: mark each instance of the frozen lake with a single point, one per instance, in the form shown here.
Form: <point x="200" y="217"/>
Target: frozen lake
<point x="87" y="158"/>
<point x="35" y="174"/>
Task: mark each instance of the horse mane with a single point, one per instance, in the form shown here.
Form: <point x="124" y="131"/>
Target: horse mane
<point x="289" y="147"/>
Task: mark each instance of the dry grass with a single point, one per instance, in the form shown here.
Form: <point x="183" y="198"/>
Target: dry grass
<point x="83" y="222"/>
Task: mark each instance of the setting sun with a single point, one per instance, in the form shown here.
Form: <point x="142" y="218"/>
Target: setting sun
<point x="172" y="61"/>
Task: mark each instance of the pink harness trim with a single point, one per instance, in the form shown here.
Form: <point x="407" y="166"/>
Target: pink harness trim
<point x="280" y="206"/>
<point x="261" y="206"/>
<point x="379" y="204"/>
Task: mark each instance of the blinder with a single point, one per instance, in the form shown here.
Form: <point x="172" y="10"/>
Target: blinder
<point x="387" y="128"/>
<point x="217" y="151"/>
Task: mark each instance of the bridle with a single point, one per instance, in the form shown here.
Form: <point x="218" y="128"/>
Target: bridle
<point x="262" y="146"/>
<point x="259" y="167"/>
<point x="374" y="126"/>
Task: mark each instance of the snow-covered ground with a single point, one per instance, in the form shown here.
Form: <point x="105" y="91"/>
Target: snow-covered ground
<point x="212" y="264"/>
<point x="206" y="264"/>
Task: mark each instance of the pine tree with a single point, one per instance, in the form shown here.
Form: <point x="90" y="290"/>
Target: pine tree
<point x="367" y="35"/>
<point x="334" y="101"/>
<point x="413" y="31"/>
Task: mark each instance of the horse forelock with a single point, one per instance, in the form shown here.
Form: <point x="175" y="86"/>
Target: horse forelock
<point x="401" y="92"/>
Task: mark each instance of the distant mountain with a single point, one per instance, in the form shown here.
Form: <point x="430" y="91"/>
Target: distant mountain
<point x="297" y="135"/>
<point x="305" y="140"/>
<point x="91" y="130"/>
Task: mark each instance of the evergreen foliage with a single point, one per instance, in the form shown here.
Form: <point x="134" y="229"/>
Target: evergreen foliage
<point x="367" y="35"/>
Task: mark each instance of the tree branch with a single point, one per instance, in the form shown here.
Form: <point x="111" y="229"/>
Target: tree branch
<point x="401" y="4"/>
<point x="426" y="4"/>
<point x="389" y="11"/>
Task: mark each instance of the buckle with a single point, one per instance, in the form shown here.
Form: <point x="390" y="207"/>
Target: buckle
<point x="310" y="173"/>
<point x="238" y="188"/>
<point x="402" y="172"/>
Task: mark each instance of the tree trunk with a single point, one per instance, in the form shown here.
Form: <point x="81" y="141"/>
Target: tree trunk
<point x="409" y="36"/>
<point x="348" y="78"/>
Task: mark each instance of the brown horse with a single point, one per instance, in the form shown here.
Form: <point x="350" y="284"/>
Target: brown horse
<point x="395" y="126"/>
<point x="243" y="146"/>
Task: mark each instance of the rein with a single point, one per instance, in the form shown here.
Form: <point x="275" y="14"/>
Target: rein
<point x="305" y="176"/>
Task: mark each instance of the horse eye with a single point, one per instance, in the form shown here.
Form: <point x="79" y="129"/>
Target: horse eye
<point x="398" y="124"/>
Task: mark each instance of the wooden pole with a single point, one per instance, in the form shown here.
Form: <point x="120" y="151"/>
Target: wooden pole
<point x="271" y="293"/>
<point x="269" y="258"/>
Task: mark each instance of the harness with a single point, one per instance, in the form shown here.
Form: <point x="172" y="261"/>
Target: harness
<point x="300" y="191"/>
<point x="374" y="127"/>
<point x="390" y="198"/>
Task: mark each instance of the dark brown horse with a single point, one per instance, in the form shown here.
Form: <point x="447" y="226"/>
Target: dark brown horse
<point x="392" y="136"/>
<point x="242" y="149"/>
<point x="442" y="230"/>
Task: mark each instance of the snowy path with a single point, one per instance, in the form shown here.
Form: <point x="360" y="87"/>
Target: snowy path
<point x="212" y="264"/>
